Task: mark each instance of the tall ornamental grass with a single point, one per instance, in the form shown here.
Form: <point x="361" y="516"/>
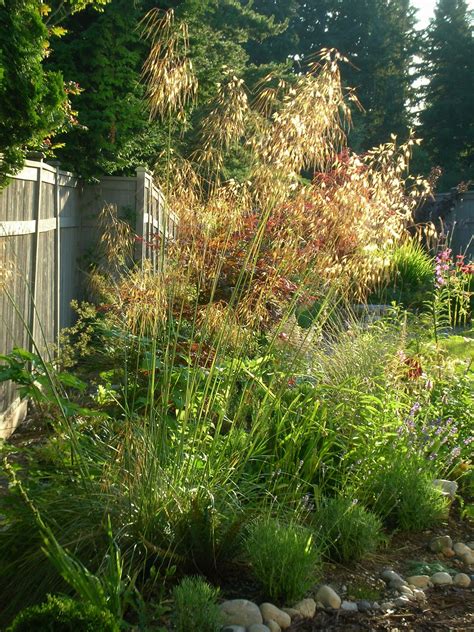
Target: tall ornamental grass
<point x="208" y="406"/>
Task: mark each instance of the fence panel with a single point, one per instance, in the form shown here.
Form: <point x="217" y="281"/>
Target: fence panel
<point x="462" y="226"/>
<point x="49" y="232"/>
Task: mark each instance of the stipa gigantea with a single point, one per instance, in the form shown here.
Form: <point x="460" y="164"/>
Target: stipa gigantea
<point x="225" y="124"/>
<point x="167" y="72"/>
<point x="117" y="237"/>
<point x="169" y="77"/>
<point x="307" y="130"/>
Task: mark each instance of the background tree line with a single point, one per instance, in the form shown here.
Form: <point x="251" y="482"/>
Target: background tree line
<point x="403" y="77"/>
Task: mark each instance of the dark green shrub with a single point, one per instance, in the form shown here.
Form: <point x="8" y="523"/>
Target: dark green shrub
<point x="284" y="558"/>
<point x="402" y="493"/>
<point x="62" y="614"/>
<point x="195" y="606"/>
<point x="348" y="529"/>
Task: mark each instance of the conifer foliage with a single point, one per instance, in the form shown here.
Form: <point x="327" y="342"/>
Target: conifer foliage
<point x="447" y="118"/>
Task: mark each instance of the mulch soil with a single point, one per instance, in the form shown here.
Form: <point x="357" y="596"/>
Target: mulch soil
<point x="446" y="608"/>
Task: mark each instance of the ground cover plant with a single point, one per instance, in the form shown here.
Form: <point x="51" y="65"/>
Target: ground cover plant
<point x="200" y="425"/>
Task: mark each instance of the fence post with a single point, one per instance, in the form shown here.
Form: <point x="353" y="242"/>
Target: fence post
<point x="35" y="253"/>
<point x="141" y="210"/>
<point x="57" y="259"/>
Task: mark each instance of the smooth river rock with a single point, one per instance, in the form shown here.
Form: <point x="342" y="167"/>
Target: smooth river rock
<point x="419" y="595"/>
<point x="271" y="612"/>
<point x="407" y="591"/>
<point x="306" y="608"/>
<point x="441" y="542"/>
<point x="462" y="580"/>
<point x="402" y="601"/>
<point x="293" y="612"/>
<point x="390" y="576"/>
<point x="258" y="627"/>
<point x="460" y="548"/>
<point x="328" y="597"/>
<point x="240" y="612"/>
<point x="396" y="584"/>
<point x="441" y="579"/>
<point x="420" y="581"/>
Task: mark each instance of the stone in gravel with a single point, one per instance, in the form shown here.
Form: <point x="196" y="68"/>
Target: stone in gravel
<point x="468" y="558"/>
<point x="271" y="612"/>
<point x="462" y="580"/>
<point x="396" y="584"/>
<point x="364" y="606"/>
<point x="471" y="545"/>
<point x="349" y="605"/>
<point x="449" y="553"/>
<point x="460" y="548"/>
<point x="386" y="606"/>
<point x="419" y="594"/>
<point x="240" y="612"/>
<point x="448" y="488"/>
<point x="294" y="614"/>
<point x="328" y="597"/>
<point x="420" y="581"/>
<point x="402" y="601"/>
<point x="306" y="608"/>
<point x="273" y="626"/>
<point x="258" y="627"/>
<point x="375" y="606"/>
<point x="390" y="576"/>
<point x="233" y="628"/>
<point x="405" y="590"/>
<point x="441" y="579"/>
<point x="441" y="542"/>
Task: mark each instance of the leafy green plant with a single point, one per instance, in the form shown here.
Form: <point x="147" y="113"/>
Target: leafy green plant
<point x="348" y="530"/>
<point x="399" y="488"/>
<point x="195" y="607"/>
<point x="39" y="381"/>
<point x="62" y="614"/>
<point x="284" y="558"/>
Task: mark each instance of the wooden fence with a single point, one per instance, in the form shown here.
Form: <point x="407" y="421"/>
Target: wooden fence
<point x="48" y="226"/>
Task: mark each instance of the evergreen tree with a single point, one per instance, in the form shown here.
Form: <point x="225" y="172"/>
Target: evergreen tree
<point x="379" y="39"/>
<point x="283" y="44"/>
<point x="105" y="55"/>
<point x="31" y="99"/>
<point x="447" y="122"/>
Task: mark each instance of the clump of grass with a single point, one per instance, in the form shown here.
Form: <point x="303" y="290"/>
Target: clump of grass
<point x="402" y="493"/>
<point x="284" y="558"/>
<point x="409" y="277"/>
<point x="62" y="614"/>
<point x="348" y="529"/>
<point x="195" y="607"/>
